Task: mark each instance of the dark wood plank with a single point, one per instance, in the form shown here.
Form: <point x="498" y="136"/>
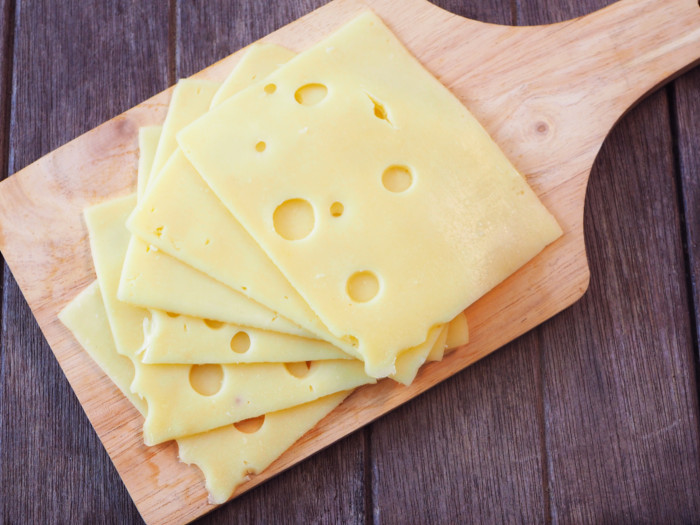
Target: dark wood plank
<point x="469" y="450"/>
<point x="76" y="64"/>
<point x="620" y="398"/>
<point x="330" y="486"/>
<point x="686" y="115"/>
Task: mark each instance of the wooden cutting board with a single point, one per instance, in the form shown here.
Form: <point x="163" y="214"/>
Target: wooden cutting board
<point x="548" y="95"/>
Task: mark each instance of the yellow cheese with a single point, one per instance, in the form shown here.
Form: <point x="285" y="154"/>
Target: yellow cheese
<point x="457" y="332"/>
<point x="191" y="99"/>
<point x="438" y="350"/>
<point x="215" y="243"/>
<point x="370" y="168"/>
<point x="86" y="318"/>
<point x="409" y="361"/>
<point x="181" y="339"/>
<point x="148" y="142"/>
<point x="108" y="241"/>
<point x="227" y="455"/>
<point x="189" y="399"/>
<point x="153" y="279"/>
<point x="260" y="60"/>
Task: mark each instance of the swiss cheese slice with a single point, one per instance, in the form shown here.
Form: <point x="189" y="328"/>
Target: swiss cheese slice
<point x="370" y="168"/>
<point x="184" y="399"/>
<point x="148" y="142"/>
<point x="457" y="332"/>
<point x="438" y="350"/>
<point x="228" y="455"/>
<point x="181" y="339"/>
<point x="409" y="361"/>
<point x="191" y="99"/>
<point x="260" y="60"/>
<point x="86" y="318"/>
<point x="153" y="279"/>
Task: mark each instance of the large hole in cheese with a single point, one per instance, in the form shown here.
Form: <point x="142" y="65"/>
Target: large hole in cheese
<point x="240" y="342"/>
<point x="206" y="379"/>
<point x="397" y="178"/>
<point x="310" y="94"/>
<point x="294" y="219"/>
<point x="250" y="426"/>
<point x="362" y="286"/>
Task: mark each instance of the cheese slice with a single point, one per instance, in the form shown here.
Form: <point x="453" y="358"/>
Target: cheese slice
<point x="457" y="332"/>
<point x="260" y="60"/>
<point x="191" y="99"/>
<point x="181" y="339"/>
<point x="228" y="455"/>
<point x="153" y="279"/>
<point x="438" y="350"/>
<point x="189" y="399"/>
<point x="148" y="142"/>
<point x="86" y="318"/>
<point x="370" y="168"/>
<point x="409" y="361"/>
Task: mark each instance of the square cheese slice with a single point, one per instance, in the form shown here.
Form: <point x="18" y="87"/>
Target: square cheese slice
<point x="373" y="189"/>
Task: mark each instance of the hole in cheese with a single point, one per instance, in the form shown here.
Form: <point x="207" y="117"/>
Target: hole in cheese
<point x="310" y="94"/>
<point x="206" y="379"/>
<point x="260" y="146"/>
<point x="337" y="209"/>
<point x="397" y="178"/>
<point x="362" y="286"/>
<point x="172" y="314"/>
<point x="250" y="426"/>
<point x="379" y="110"/>
<point x="294" y="219"/>
<point x="270" y="89"/>
<point x="240" y="342"/>
<point x="298" y="370"/>
<point x="214" y="325"/>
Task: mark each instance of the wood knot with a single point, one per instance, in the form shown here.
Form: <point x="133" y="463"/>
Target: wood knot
<point x="542" y="127"/>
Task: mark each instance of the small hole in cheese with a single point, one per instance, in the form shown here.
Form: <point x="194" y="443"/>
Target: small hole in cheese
<point x="380" y="110"/>
<point x="270" y="89"/>
<point x="240" y="342"/>
<point x="172" y="314"/>
<point x="214" y="325"/>
<point x="250" y="426"/>
<point x="397" y="178"/>
<point x="310" y="94"/>
<point x="206" y="379"/>
<point x="294" y="219"/>
<point x="337" y="209"/>
<point x="260" y="146"/>
<point x="298" y="370"/>
<point x="362" y="286"/>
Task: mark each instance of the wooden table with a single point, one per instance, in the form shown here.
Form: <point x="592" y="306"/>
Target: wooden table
<point x="590" y="418"/>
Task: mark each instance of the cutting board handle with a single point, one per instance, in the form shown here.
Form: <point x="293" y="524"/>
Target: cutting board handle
<point x="631" y="48"/>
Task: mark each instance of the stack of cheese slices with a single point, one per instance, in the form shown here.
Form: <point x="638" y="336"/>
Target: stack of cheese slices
<point x="315" y="223"/>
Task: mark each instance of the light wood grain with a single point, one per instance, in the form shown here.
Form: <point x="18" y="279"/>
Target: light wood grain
<point x="548" y="95"/>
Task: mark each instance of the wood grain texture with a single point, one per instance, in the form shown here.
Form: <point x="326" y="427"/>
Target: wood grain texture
<point x="493" y="479"/>
<point x="70" y="60"/>
<point x="686" y="112"/>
